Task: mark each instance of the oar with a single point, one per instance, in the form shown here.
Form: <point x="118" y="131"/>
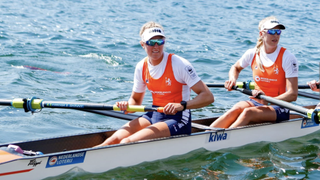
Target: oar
<point x="306" y="86"/>
<point x="87" y="107"/>
<point x="251" y="85"/>
<point x="310" y="113"/>
<point x="113" y="114"/>
<point x="238" y="84"/>
<point x="32" y="104"/>
<point x="309" y="95"/>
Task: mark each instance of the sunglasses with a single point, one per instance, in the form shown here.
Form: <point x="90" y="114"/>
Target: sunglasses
<point x="273" y="31"/>
<point x="153" y="42"/>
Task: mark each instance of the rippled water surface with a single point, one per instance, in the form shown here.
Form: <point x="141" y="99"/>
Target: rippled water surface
<point x="86" y="51"/>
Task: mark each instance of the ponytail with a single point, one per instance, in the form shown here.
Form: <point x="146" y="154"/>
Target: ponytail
<point x="258" y="60"/>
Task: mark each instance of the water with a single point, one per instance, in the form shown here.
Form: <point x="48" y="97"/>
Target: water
<point x="87" y="51"/>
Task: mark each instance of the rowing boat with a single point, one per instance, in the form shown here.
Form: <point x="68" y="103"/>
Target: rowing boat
<point x="50" y="157"/>
<point x="62" y="154"/>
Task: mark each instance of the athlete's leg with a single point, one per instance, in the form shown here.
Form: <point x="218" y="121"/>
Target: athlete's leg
<point x="156" y="130"/>
<point x="128" y="129"/>
<point x="257" y="114"/>
<point x="231" y="115"/>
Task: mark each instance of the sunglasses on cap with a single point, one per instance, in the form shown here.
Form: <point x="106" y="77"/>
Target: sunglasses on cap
<point x="273" y="31"/>
<point x="153" y="42"/>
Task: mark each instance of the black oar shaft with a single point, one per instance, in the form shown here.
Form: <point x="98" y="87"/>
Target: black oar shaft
<point x="114" y="114"/>
<point x="54" y="104"/>
<point x="96" y="106"/>
<point x="246" y="85"/>
<point x="306" y="86"/>
<point x="4" y="102"/>
<point x="215" y="85"/>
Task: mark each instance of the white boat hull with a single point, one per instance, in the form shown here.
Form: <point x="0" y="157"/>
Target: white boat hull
<point x="97" y="160"/>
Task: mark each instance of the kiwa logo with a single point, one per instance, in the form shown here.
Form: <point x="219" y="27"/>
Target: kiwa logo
<point x="218" y="136"/>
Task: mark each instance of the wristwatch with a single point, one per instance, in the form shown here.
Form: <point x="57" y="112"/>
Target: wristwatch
<point x="184" y="104"/>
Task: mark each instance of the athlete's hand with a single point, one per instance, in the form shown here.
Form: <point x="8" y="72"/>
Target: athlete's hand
<point x="229" y="84"/>
<point x="172" y="108"/>
<point x="123" y="105"/>
<point x="255" y="93"/>
<point x="313" y="85"/>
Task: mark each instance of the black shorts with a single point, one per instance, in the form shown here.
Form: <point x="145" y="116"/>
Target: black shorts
<point x="178" y="124"/>
<point x="282" y="113"/>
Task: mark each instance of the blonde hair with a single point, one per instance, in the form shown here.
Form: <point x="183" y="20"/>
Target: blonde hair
<point x="150" y="24"/>
<point x="260" y="42"/>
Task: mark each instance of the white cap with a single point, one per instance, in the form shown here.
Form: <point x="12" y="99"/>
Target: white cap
<point x="271" y="24"/>
<point x="151" y="32"/>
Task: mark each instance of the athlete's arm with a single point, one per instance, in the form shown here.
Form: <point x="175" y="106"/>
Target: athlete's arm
<point x="204" y="97"/>
<point x="233" y="76"/>
<point x="292" y="90"/>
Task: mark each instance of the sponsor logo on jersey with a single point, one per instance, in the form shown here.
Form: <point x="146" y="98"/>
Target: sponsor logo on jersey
<point x="191" y="72"/>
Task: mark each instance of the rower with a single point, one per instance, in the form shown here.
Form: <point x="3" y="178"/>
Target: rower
<point x="275" y="72"/>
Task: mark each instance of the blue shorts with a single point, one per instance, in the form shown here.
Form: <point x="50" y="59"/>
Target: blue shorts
<point x="282" y="113"/>
<point x="178" y="124"/>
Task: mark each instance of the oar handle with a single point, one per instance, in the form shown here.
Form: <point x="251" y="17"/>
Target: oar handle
<point x="139" y="108"/>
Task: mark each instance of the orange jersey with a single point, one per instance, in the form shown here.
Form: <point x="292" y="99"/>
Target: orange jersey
<point x="273" y="81"/>
<point x="166" y="89"/>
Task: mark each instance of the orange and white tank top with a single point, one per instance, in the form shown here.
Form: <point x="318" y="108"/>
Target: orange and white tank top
<point x="273" y="81"/>
<point x="165" y="89"/>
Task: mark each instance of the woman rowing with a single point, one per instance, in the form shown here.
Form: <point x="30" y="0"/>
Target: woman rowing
<point x="275" y="72"/>
<point x="169" y="78"/>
